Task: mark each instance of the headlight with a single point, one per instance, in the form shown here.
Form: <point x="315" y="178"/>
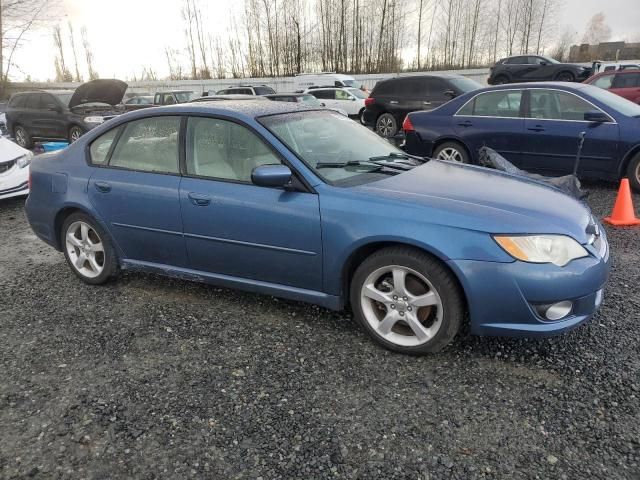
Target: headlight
<point x="94" y="119"/>
<point x="556" y="249"/>
<point x="24" y="160"/>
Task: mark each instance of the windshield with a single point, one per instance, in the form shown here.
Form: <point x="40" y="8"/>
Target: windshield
<point x="324" y="139"/>
<point x="184" y="97"/>
<point x="352" y="83"/>
<point x="310" y="100"/>
<point x="64" y="98"/>
<point x="618" y="103"/>
<point x="465" y="84"/>
<point x="357" y="93"/>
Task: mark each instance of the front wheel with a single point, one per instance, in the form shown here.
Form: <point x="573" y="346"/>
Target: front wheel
<point x="22" y="137"/>
<point x="565" y="77"/>
<point x="386" y="126"/>
<point x="633" y="172"/>
<point x="75" y="133"/>
<point x="407" y="301"/>
<point x="88" y="249"/>
<point x="361" y="116"/>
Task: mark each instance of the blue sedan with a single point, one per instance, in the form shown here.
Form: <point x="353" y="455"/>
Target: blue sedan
<point x="536" y="127"/>
<point x="304" y="204"/>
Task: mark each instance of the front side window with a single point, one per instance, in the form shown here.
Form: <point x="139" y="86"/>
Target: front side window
<point x="342" y="95"/>
<point x="148" y="145"/>
<point x="184" y="97"/>
<point x="626" y="80"/>
<point x="168" y="99"/>
<point x="34" y="101"/>
<point x="603" y="82"/>
<point x="500" y="103"/>
<point x="224" y="150"/>
<point x="557" y="105"/>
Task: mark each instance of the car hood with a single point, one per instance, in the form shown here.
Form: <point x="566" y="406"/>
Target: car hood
<point x="9" y="151"/>
<point x="481" y="199"/>
<point x="109" y="91"/>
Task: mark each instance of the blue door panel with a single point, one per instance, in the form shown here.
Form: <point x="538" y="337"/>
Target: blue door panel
<point x="252" y="232"/>
<point x="504" y="135"/>
<point x="142" y="211"/>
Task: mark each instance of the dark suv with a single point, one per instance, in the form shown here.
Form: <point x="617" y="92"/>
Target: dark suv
<point x="391" y="100"/>
<point x="534" y="68"/>
<point x="62" y="114"/>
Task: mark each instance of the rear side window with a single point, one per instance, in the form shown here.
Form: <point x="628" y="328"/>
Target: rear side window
<point x="100" y="147"/>
<point x="323" y="94"/>
<point x="384" y="88"/>
<point x="626" y="80"/>
<point x="18" y="101"/>
<point x="148" y="145"/>
<point x="264" y="90"/>
<point x="501" y="103"/>
<point x="516" y="61"/>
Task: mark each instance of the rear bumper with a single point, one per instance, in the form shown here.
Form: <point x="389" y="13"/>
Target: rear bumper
<point x="502" y="297"/>
<point x="369" y="117"/>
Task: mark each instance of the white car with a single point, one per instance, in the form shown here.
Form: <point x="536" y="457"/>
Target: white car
<point x="351" y="100"/>
<point x="14" y="169"/>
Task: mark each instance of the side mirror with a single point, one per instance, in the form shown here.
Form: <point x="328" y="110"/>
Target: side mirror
<point x="322" y="104"/>
<point x="543" y="64"/>
<point x="271" y="176"/>
<point x="596" y="116"/>
<point x="449" y="93"/>
<point x="353" y="99"/>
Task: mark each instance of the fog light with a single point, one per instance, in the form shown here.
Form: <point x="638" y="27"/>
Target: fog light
<point x="558" y="310"/>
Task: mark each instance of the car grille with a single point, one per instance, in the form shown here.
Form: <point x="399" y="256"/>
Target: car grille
<point x="5" y="167"/>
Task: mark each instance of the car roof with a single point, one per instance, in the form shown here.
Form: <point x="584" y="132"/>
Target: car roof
<point x="246" y="108"/>
<point x="431" y="75"/>
<point x="531" y="85"/>
<point x="298" y="94"/>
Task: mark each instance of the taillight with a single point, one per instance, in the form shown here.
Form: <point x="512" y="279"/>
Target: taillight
<point x="369" y="101"/>
<point x="407" y="126"/>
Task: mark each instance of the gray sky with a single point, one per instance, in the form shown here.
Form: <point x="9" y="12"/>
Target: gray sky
<point x="127" y="35"/>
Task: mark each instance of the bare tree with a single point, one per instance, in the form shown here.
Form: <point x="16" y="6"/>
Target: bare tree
<point x="88" y="54"/>
<point x="597" y="30"/>
<point x="64" y="75"/>
<point x="72" y="41"/>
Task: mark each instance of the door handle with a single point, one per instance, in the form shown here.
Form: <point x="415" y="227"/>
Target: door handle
<point x="537" y="128"/>
<point x="103" y="187"/>
<point x="198" y="199"/>
<point x="394" y="102"/>
<point x="426" y="103"/>
<point x="466" y="123"/>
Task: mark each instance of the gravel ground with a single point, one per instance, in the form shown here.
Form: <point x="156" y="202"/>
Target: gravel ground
<point x="150" y="377"/>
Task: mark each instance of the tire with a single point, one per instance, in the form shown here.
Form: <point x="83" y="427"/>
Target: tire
<point x="423" y="316"/>
<point x="105" y="261"/>
<point x="22" y="137"/>
<point x="75" y="133"/>
<point x="452" y="151"/>
<point x="361" y="116"/>
<point x="386" y="125"/>
<point x="500" y="80"/>
<point x="565" y="77"/>
<point x="633" y="172"/>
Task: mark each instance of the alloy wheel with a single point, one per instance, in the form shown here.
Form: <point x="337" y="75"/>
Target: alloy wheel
<point x="385" y="126"/>
<point x="76" y="133"/>
<point x="450" y="154"/>
<point x="401" y="305"/>
<point x="85" y="249"/>
<point x="21" y="137"/>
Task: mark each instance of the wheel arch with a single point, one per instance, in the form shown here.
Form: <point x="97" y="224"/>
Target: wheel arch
<point x="631" y="153"/>
<point x="363" y="251"/>
<point x="442" y="140"/>
<point x="63" y="213"/>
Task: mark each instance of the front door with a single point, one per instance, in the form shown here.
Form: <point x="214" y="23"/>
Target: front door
<point x="135" y="189"/>
<point x="554" y="124"/>
<point x="235" y="228"/>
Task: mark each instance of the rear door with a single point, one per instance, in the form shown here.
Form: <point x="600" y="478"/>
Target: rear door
<point x="521" y="69"/>
<point x="51" y="119"/>
<point x="435" y="96"/>
<point x="233" y="227"/>
<point x="627" y="85"/>
<point x="555" y="121"/>
<point x="493" y="119"/>
<point x="135" y="187"/>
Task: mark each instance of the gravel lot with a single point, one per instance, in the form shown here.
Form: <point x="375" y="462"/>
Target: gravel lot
<point x="151" y="377"/>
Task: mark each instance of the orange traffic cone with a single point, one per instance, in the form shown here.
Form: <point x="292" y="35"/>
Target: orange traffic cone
<point x="623" y="213"/>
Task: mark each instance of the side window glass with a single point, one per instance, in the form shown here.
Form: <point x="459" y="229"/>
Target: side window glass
<point x="224" y="150"/>
<point x="149" y="145"/>
<point x="604" y="82"/>
<point x="501" y="103"/>
<point x="467" y="109"/>
<point x="169" y="100"/>
<point x="555" y="105"/>
<point x="626" y="80"/>
<point x="156" y="99"/>
<point x="33" y="101"/>
<point x="100" y="147"/>
<point x="342" y="95"/>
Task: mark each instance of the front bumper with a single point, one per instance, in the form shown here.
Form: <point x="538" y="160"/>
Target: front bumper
<point x="14" y="183"/>
<point x="502" y="296"/>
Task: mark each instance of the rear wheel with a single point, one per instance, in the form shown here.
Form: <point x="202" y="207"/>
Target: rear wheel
<point x="565" y="77"/>
<point x="633" y="172"/>
<point x="75" y="133"/>
<point x="386" y="126"/>
<point x="361" y="116"/>
<point x="88" y="249"/>
<point x="407" y="301"/>
<point x="22" y="137"/>
<point x="452" y="151"/>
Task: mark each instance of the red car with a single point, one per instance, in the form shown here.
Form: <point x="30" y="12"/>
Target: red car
<point x="625" y="83"/>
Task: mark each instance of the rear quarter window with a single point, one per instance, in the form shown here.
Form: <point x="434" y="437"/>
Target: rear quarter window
<point x="101" y="146"/>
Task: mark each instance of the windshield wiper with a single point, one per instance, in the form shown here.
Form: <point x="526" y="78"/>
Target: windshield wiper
<point x="374" y="166"/>
<point x="395" y="155"/>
